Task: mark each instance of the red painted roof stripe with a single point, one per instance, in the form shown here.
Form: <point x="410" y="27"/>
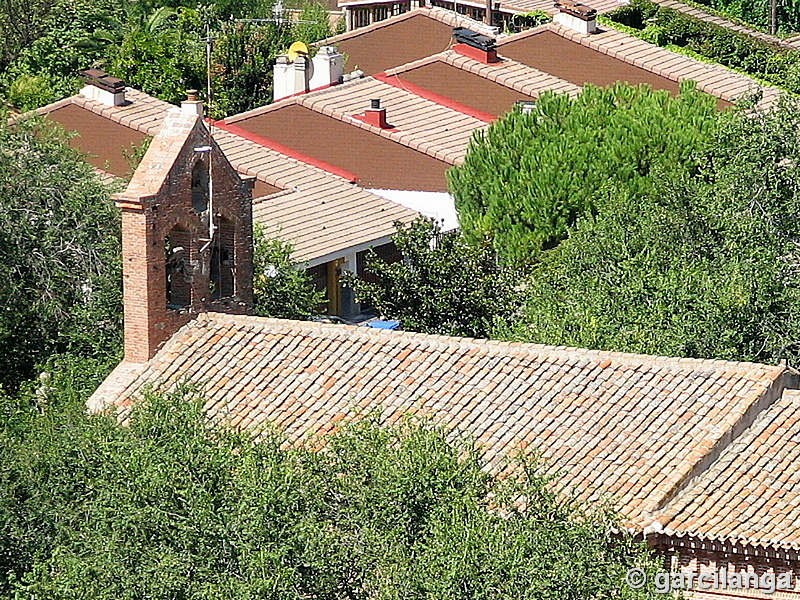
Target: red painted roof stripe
<point x="285" y="150"/>
<point x="394" y="80"/>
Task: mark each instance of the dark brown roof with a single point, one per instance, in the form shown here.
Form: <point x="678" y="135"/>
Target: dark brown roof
<point x="464" y="87"/>
<point x="103" y="140"/>
<point x="577" y="64"/>
<point x="397" y="43"/>
<point x="377" y="161"/>
<point x="262" y="189"/>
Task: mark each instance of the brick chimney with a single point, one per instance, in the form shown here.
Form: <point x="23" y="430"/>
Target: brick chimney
<point x="475" y="45"/>
<point x="102" y="87"/>
<point x="375" y="115"/>
<point x="186" y="236"/>
<point x="576" y="16"/>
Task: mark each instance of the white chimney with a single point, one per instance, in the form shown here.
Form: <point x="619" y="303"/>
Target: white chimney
<point x="103" y="88"/>
<point x="327" y="68"/>
<point x="192" y="106"/>
<point x="289" y="77"/>
<point x="576" y="16"/>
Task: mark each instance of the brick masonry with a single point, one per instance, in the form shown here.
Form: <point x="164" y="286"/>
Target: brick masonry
<point x="158" y="203"/>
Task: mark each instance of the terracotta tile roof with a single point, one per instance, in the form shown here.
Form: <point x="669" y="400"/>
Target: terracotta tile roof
<point x="751" y="494"/>
<point x="629" y="427"/>
<point x="429" y="127"/>
<point x="297" y="221"/>
<point x="523" y="6"/>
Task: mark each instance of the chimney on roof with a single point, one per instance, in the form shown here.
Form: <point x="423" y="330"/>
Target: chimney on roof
<point x="475" y="45"/>
<point x="103" y="88"/>
<point x="327" y="68"/>
<point x="192" y="106"/>
<point x="375" y="115"/>
<point x="576" y="16"/>
<point x="290" y="76"/>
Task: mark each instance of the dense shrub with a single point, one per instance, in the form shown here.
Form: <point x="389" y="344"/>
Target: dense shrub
<point x="663" y="26"/>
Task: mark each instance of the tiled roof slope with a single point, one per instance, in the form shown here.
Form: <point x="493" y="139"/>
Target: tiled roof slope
<point x="751" y="494"/>
<point x="422" y="125"/>
<point x="316" y="193"/>
<point x="477" y="87"/>
<point x="626" y="426"/>
<point x="402" y="39"/>
<point x="523" y="6"/>
<point x="711" y="78"/>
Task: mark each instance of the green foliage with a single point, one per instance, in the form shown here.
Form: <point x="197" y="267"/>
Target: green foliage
<point x="175" y="507"/>
<point x="160" y="53"/>
<point x="528" y="179"/>
<point x="443" y="285"/>
<point x="665" y="26"/>
<point x="59" y="256"/>
<point x="51" y="51"/>
<point x="529" y="20"/>
<point x="29" y="91"/>
<point x="702" y="265"/>
<point x="154" y="45"/>
<point x="245" y="53"/>
<point x="281" y="290"/>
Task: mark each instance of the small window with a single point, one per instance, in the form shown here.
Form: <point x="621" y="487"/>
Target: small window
<point x="200" y="186"/>
<point x="177" y="270"/>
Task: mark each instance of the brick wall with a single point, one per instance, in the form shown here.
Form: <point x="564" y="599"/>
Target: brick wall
<point x="689" y="555"/>
<point x="169" y="211"/>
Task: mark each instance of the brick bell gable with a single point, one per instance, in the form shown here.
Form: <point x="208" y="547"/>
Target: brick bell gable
<point x="174" y="267"/>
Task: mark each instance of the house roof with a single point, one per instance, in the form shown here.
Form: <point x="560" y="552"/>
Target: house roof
<point x="402" y="39"/>
<point x="626" y="427"/>
<point x="106" y="144"/>
<point x="370" y="157"/>
<point x="612" y="48"/>
<point x="462" y="86"/>
<point x="752" y="493"/>
<point x="426" y="137"/>
<point x="508" y="73"/>
<point x="298" y="222"/>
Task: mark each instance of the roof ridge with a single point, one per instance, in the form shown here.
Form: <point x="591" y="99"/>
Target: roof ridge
<point x="620" y="357"/>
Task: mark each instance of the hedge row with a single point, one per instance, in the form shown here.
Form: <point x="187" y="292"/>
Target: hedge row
<point x="663" y="26"/>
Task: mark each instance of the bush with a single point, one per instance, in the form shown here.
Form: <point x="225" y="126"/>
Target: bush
<point x="176" y="507"/>
<point x="665" y="26"/>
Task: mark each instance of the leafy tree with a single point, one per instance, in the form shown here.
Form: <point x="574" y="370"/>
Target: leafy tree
<point x="51" y="51"/>
<point x="281" y="290"/>
<point x="161" y="53"/>
<point x="703" y="265"/>
<point x="59" y="256"/>
<point x="444" y="284"/>
<point x="528" y="179"/>
<point x="173" y="506"/>
<point x="245" y="53"/>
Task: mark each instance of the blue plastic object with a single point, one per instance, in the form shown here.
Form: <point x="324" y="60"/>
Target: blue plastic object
<point x="384" y="324"/>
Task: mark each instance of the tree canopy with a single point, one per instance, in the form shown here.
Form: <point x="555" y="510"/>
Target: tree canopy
<point x="623" y="219"/>
<point x="60" y="281"/>
<point x="174" y="506"/>
<point x="443" y="285"/>
<point x="526" y="180"/>
<point x="155" y="45"/>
